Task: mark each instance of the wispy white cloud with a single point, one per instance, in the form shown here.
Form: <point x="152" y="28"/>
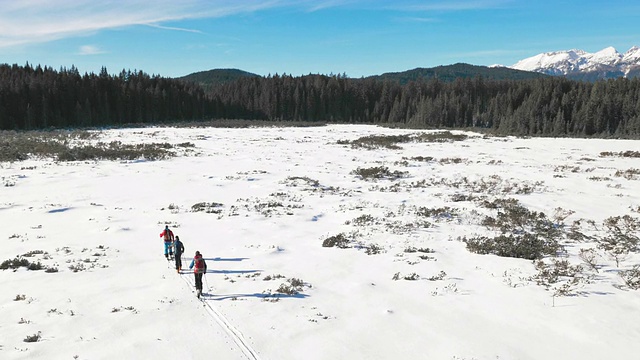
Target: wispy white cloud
<point x="174" y="28"/>
<point x="453" y="5"/>
<point x="90" y="50"/>
<point x="326" y="4"/>
<point x="36" y="21"/>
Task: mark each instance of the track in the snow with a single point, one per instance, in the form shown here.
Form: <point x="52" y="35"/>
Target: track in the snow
<point x="234" y="333"/>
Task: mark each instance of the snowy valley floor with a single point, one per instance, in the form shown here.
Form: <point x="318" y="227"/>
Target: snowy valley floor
<point x="259" y="204"/>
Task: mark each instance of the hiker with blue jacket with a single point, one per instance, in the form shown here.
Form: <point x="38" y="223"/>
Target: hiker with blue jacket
<point x="179" y="249"/>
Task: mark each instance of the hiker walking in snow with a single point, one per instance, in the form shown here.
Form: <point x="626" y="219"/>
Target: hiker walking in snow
<point x="167" y="234"/>
<point x="200" y="269"/>
<point x="179" y="249"/>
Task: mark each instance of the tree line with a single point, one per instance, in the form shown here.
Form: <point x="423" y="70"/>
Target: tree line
<point x="36" y="98"/>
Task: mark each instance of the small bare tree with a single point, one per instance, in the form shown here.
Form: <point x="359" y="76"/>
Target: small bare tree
<point x="589" y="256"/>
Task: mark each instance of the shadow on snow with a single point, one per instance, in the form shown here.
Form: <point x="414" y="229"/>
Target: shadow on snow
<point x="264" y="296"/>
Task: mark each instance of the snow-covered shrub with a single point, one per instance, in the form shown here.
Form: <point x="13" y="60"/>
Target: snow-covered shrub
<point x="209" y="208"/>
<point x="33" y="338"/>
<point x="377" y="141"/>
<point x="621" y="237"/>
<point x="523" y="246"/>
<point x="560" y="276"/>
<point x="339" y="240"/>
<point x="441" y="275"/>
<point x="373" y="249"/>
<point x="631" y="277"/>
<point x="362" y="220"/>
<point x="443" y="213"/>
<point x="292" y="287"/>
<point x="523" y="234"/>
<point x="379" y="172"/>
<point x="629" y="174"/>
<point x="20" y="262"/>
<point x="590" y="257"/>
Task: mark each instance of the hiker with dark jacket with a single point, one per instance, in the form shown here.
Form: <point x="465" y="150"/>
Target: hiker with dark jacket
<point x="168" y="242"/>
<point x="200" y="268"/>
<point x="179" y="249"/>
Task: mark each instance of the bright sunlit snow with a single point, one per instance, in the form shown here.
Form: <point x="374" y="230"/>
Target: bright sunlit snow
<point x="406" y="287"/>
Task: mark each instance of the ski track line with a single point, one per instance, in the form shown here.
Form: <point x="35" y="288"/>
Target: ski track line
<point x="234" y="333"/>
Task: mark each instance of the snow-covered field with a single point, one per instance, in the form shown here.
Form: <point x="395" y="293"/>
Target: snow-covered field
<point x="405" y="286"/>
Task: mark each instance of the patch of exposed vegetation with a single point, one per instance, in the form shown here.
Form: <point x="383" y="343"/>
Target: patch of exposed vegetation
<point x="440" y="276"/>
<point x="525" y="246"/>
<point x="631" y="277"/>
<point x="339" y="240"/>
<point x="621" y="237"/>
<point x="116" y="150"/>
<point x="410" y="277"/>
<point x="420" y="158"/>
<point x="379" y="172"/>
<point x="276" y="204"/>
<point x="209" y="208"/>
<point x="445" y="161"/>
<point x="629" y="174"/>
<point x="491" y="185"/>
<point x="560" y="276"/>
<point x="33" y="253"/>
<point x="413" y="249"/>
<point x="292" y="287"/>
<point x="296" y="180"/>
<point x="74" y="146"/>
<point x="627" y="154"/>
<point x="377" y="141"/>
<point x="33" y="338"/>
<point x="373" y="249"/>
<point x="392" y="141"/>
<point x="363" y="220"/>
<point x="443" y="213"/>
<point x="522" y="234"/>
<point x="273" y="277"/>
<point x="20" y="262"/>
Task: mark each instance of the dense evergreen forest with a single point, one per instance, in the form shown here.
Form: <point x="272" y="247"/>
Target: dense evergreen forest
<point x="36" y="98"/>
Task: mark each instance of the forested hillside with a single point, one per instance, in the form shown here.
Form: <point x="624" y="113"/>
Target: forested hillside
<point x="210" y="78"/>
<point x="32" y="98"/>
<point x="448" y="73"/>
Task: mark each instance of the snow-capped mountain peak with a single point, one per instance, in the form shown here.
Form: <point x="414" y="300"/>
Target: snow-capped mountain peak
<point x="633" y="55"/>
<point x="605" y="63"/>
<point x="607" y="56"/>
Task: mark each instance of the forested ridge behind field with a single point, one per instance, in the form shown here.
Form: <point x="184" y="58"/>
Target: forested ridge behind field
<point x="41" y="97"/>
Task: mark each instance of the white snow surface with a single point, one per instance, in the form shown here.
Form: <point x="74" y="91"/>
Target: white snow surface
<point x="282" y="192"/>
<point x="570" y="61"/>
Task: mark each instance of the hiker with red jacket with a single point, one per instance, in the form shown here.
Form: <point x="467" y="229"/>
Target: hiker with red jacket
<point x="168" y="242"/>
<point x="200" y="269"/>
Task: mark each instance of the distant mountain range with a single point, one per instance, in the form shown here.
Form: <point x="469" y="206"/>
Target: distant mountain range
<point x="580" y="65"/>
<point x="444" y="73"/>
<point x="607" y="63"/>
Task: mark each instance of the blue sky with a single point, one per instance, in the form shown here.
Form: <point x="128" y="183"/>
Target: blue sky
<point x="358" y="37"/>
